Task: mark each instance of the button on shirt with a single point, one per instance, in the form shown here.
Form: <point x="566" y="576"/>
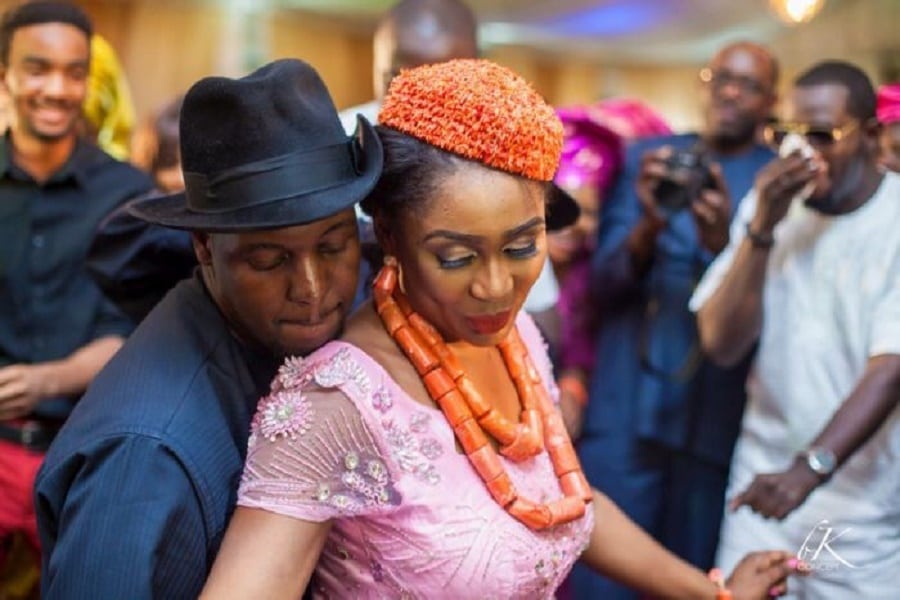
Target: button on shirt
<point x="49" y="305"/>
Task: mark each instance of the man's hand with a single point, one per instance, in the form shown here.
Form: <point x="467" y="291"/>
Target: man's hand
<point x="776" y="495"/>
<point x="22" y="386"/>
<point x="712" y="213"/>
<point x="653" y="169"/>
<point x="776" y="185"/>
<point x="763" y="575"/>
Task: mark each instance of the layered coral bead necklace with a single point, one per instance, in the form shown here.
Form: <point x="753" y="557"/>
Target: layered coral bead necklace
<point x="470" y="416"/>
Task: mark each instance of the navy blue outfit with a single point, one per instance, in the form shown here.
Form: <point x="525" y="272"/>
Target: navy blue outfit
<point x="136" y="263"/>
<point x="661" y="423"/>
<point x="136" y="491"/>
<point x="49" y="304"/>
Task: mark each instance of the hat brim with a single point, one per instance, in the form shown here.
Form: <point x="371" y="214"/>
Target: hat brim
<point x="172" y="211"/>
<point x="562" y="209"/>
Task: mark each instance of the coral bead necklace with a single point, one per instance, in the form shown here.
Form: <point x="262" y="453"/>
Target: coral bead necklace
<point x="470" y="415"/>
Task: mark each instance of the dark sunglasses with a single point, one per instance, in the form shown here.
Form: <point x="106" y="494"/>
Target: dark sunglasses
<point x="818" y="136"/>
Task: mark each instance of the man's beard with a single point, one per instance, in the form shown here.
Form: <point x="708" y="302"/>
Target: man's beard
<point x="842" y="191"/>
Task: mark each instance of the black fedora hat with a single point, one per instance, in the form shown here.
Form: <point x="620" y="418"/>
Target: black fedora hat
<point x="265" y="151"/>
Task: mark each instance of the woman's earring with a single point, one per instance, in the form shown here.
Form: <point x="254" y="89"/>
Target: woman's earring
<point x="391" y="262"/>
<point x="400" y="278"/>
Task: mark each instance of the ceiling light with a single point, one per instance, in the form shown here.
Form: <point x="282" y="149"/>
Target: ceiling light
<point x="794" y="12"/>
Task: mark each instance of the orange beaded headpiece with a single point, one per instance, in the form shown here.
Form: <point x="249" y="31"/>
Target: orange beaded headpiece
<point x="479" y="110"/>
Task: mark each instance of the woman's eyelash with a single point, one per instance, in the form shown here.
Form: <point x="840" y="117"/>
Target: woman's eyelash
<point x="454" y="263"/>
<point x="523" y="251"/>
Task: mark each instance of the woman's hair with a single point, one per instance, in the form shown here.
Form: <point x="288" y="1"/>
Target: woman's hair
<point x="412" y="170"/>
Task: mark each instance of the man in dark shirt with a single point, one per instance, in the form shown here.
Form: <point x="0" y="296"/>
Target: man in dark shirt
<point x="56" y="329"/>
<point x="134" y="496"/>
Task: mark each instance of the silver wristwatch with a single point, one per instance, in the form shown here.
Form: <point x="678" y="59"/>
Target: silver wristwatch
<point x="821" y="460"/>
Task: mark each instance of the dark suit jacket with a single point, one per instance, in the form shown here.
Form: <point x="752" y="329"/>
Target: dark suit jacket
<point x="135" y="492"/>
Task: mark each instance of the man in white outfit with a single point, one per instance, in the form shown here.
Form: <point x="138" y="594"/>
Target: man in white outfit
<point x="812" y="274"/>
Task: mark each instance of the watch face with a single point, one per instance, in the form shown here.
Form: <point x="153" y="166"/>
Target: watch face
<point x="821" y="461"/>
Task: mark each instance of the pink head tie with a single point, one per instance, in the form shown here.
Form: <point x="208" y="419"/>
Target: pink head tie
<point x="888" y="110"/>
<point x="595" y="136"/>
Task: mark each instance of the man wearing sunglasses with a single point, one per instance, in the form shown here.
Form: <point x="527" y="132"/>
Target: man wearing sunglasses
<point x="812" y="275"/>
<point x="661" y="422"/>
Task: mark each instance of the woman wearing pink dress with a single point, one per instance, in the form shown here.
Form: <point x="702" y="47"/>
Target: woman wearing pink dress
<point x="422" y="456"/>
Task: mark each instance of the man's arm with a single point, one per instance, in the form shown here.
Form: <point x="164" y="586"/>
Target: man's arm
<point x="626" y="238"/>
<point x="22" y="386"/>
<point x="860" y="416"/>
<point x="121" y="521"/>
<point x="730" y="320"/>
<point x="856" y="421"/>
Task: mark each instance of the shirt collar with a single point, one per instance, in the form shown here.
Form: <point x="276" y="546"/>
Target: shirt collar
<point x="74" y="168"/>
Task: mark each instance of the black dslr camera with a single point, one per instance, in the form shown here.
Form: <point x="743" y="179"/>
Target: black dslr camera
<point x="687" y="173"/>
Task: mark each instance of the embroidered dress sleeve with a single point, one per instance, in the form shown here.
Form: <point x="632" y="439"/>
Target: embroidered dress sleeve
<point x="311" y="455"/>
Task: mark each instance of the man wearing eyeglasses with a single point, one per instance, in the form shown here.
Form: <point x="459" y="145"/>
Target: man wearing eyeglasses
<point x="812" y="276"/>
<point x="661" y="422"/>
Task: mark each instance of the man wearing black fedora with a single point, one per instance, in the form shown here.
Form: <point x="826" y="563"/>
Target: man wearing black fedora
<point x="136" y="491"/>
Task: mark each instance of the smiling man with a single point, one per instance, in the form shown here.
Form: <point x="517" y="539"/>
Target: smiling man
<point x="136" y="491"/>
<point x="56" y="330"/>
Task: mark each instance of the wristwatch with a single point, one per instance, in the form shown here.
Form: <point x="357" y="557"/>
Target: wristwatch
<point x="820" y="460"/>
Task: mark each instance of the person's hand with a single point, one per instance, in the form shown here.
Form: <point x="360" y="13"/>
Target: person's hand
<point x="21" y="387"/>
<point x="712" y="213"/>
<point x="776" y="185"/>
<point x="572" y="400"/>
<point x="653" y="168"/>
<point x="763" y="575"/>
<point x="776" y="495"/>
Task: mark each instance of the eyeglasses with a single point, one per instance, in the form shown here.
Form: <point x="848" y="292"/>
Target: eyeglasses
<point x="820" y="136"/>
<point x="718" y="80"/>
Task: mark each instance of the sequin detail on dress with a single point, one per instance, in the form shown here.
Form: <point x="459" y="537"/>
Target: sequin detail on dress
<point x="293" y="373"/>
<point x="414" y="453"/>
<point x="342" y="369"/>
<point x="286" y="413"/>
<point x="363" y="485"/>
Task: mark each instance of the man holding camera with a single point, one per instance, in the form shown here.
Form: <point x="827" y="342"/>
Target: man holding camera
<point x="661" y="423"/>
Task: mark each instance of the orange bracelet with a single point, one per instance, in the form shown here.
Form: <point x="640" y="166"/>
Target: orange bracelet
<point x="722" y="593"/>
<point x="574" y="386"/>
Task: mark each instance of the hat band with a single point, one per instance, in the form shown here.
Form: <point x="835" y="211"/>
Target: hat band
<point x="273" y="179"/>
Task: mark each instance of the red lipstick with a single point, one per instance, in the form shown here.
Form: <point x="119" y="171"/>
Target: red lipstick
<point x="489" y="324"/>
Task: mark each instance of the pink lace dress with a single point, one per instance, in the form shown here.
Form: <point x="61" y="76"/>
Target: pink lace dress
<point x="411" y="518"/>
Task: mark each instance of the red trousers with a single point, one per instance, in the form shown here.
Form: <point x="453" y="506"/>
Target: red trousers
<point x="18" y="468"/>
